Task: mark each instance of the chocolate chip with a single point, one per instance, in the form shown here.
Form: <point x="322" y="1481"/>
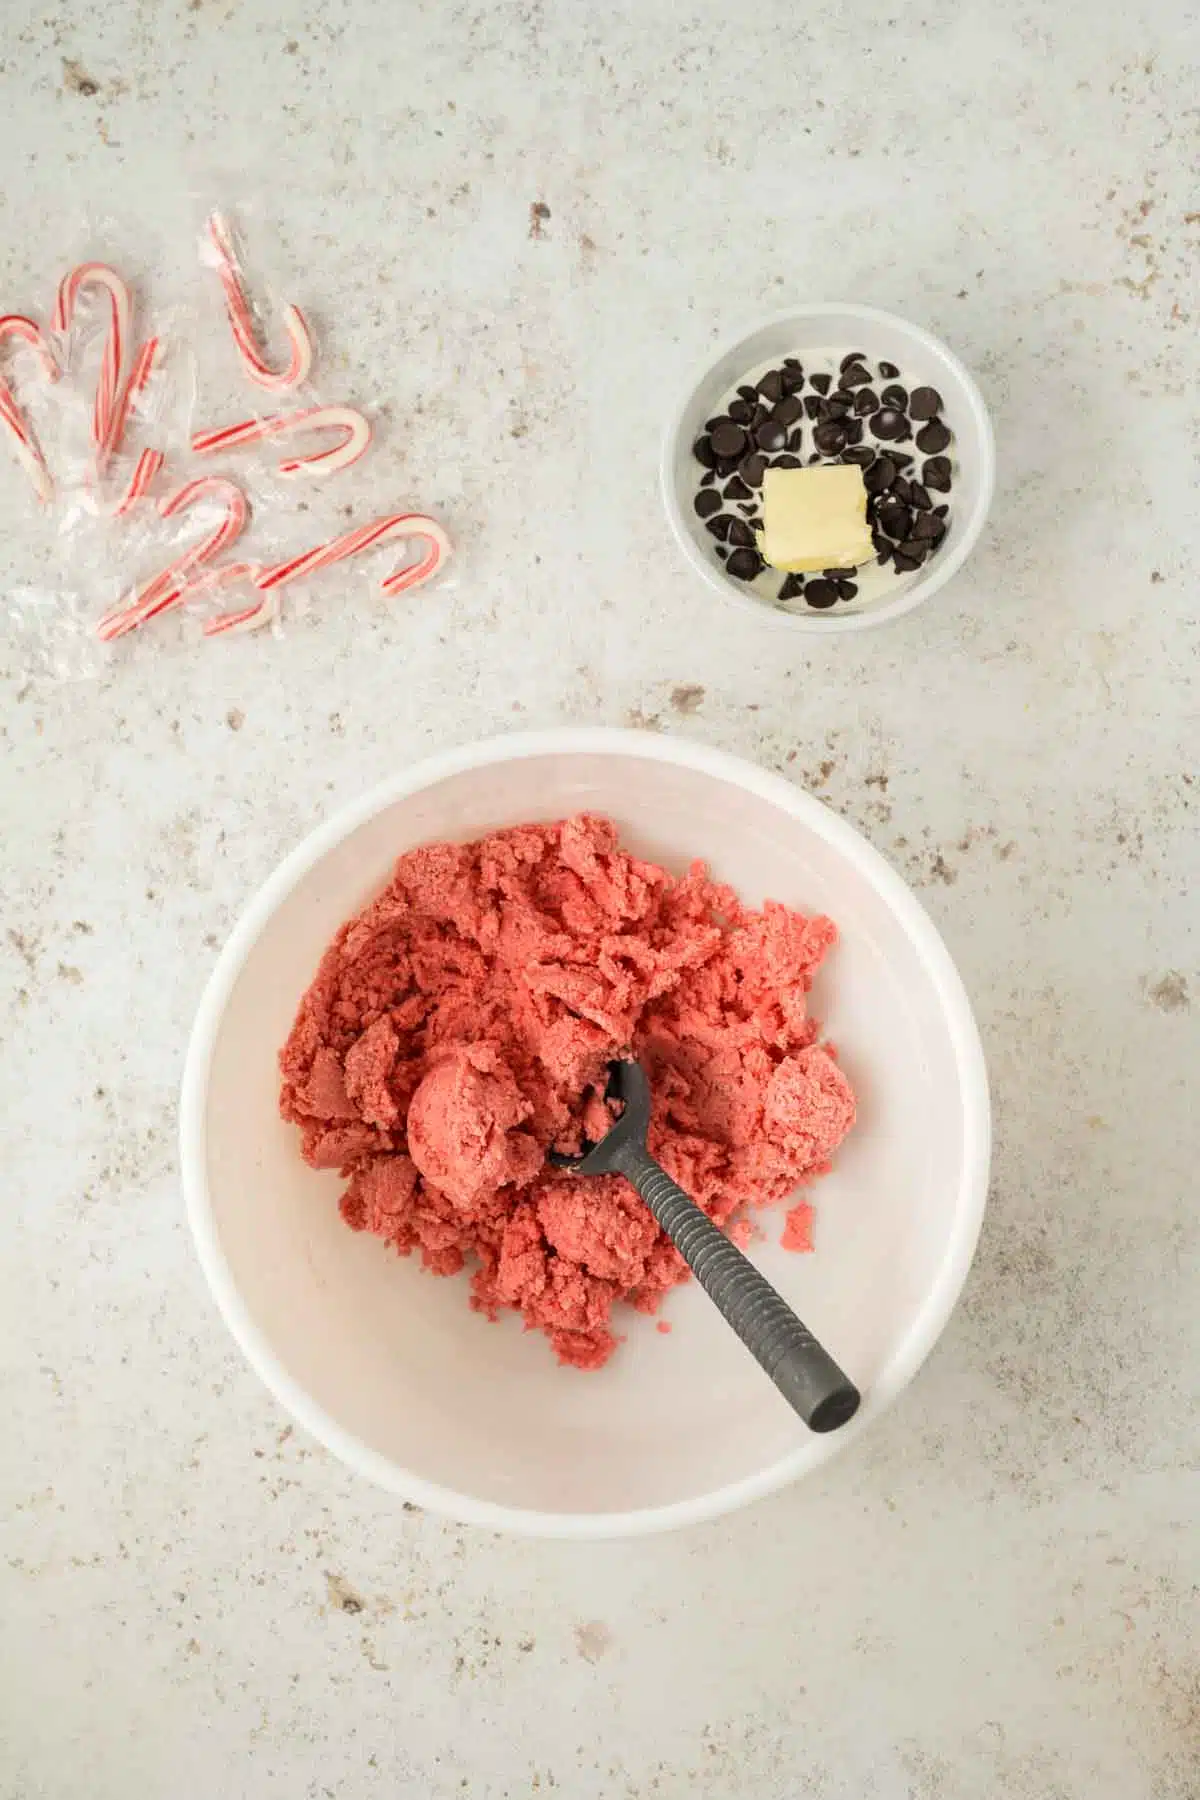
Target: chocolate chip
<point x="795" y="440"/>
<point x="886" y="423"/>
<point x="761" y="412"/>
<point x="918" y="497"/>
<point x="848" y="362"/>
<point x="737" y="489"/>
<point x="793" y="377"/>
<point x="771" y="435"/>
<point x="814" y="457"/>
<point x="709" y="423"/>
<point x="881" y="474"/>
<point x="721" y="526"/>
<point x="753" y="469"/>
<point x="704" y="453"/>
<point x="741" y="534"/>
<point x="939" y="512"/>
<point x="854" y="377"/>
<point x="936" y="474"/>
<point x="707" y="502"/>
<point x="708" y="477"/>
<point x="853" y="429"/>
<point x="914" y="548"/>
<point x="893" y="517"/>
<point x="741" y="412"/>
<point x="847" y="590"/>
<point x="838" y="406"/>
<point x="812" y="406"/>
<point x="833" y="574"/>
<point x="789" y="410"/>
<point x="749" y="507"/>
<point x="928" y="529"/>
<point x="905" y="564"/>
<point x="866" y="401"/>
<point x="771" y="385"/>
<point x="728" y="439"/>
<point x="744" y="564"/>
<point x="821" y="382"/>
<point x="792" y="588"/>
<point x="902" y="458"/>
<point x="889" y="371"/>
<point x="863" y="455"/>
<point x="901" y="489"/>
<point x="883" y="550"/>
<point x="787" y="462"/>
<point x="895" y="396"/>
<point x="722" y="550"/>
<point x="726" y="465"/>
<point x="830" y="438"/>
<point x="747" y="393"/>
<point x="925" y="403"/>
<point x="821" y="594"/>
<point x="932" y="437"/>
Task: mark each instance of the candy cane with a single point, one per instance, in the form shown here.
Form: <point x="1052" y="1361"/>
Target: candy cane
<point x="241" y="317"/>
<point x="355" y="438"/>
<point x="24" y="444"/>
<point x="247" y="618"/>
<point x="145" y="473"/>
<point x="367" y="537"/>
<point x="168" y="588"/>
<point x="107" y="415"/>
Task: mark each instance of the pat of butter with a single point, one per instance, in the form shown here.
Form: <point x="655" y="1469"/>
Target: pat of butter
<point x="815" y="518"/>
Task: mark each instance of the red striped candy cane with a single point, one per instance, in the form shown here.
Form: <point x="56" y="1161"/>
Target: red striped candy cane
<point x="107" y="415"/>
<point x="166" y="589"/>
<point x="145" y="473"/>
<point x="394" y="527"/>
<point x="247" y="618"/>
<point x="355" y="437"/>
<point x="241" y="317"/>
<point x="20" y="432"/>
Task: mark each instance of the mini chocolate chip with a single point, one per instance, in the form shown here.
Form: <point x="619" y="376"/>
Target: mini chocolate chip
<point x="848" y="362"/>
<point x="846" y="589"/>
<point x="749" y="508"/>
<point x="786" y="462"/>
<point x="821" y="594"/>
<point x="936" y="474"/>
<point x="744" y="564"/>
<point x="704" y="453"/>
<point x="914" y="547"/>
<point x="737" y="489"/>
<point x="889" y="371"/>
<point x="771" y="435"/>
<point x="795" y="440"/>
<point x="928" y="529"/>
<point x="855" y="377"/>
<point x="925" y="403"/>
<point x="741" y="412"/>
<point x="708" y="477"/>
<point x="812" y="405"/>
<point x="747" y="393"/>
<point x="792" y="587"/>
<point x="721" y="526"/>
<point x="722" y="550"/>
<point x="771" y="385"/>
<point x="881" y="474"/>
<point x="895" y="396"/>
<point x="918" y="497"/>
<point x="789" y="410"/>
<point x="939" y="512"/>
<point x="866" y="401"/>
<point x="830" y="438"/>
<point x="853" y="429"/>
<point x="793" y="378"/>
<point x="707" y="502"/>
<point x="741" y="534"/>
<point x="932" y="438"/>
<point x="893" y="518"/>
<point x="861" y="454"/>
<point x="821" y="382"/>
<point x="753" y="468"/>
<point x="905" y="564"/>
<point x="886" y="423"/>
<point x="814" y="457"/>
<point x="728" y="439"/>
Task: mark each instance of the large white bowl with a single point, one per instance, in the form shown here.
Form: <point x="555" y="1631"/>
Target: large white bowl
<point x="840" y="326"/>
<point x="388" y="1366"/>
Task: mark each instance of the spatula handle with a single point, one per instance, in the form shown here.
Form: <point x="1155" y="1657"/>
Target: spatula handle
<point x="801" y="1368"/>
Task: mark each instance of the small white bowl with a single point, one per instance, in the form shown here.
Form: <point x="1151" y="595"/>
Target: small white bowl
<point x="835" y="326"/>
<point x="388" y="1366"/>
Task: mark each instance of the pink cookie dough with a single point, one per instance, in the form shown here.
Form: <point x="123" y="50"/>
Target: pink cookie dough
<point x="460" y="1024"/>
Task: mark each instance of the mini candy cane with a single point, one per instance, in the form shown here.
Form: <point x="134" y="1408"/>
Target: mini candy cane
<point x="24" y="444"/>
<point x="241" y="318"/>
<point x="168" y="588"/>
<point x="145" y="473"/>
<point x="107" y="415"/>
<point x="355" y="438"/>
<point x="366" y="537"/>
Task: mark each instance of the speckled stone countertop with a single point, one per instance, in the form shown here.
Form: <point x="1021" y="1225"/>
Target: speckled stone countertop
<point x="520" y="226"/>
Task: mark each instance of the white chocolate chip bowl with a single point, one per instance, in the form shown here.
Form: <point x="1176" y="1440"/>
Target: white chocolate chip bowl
<point x="792" y="428"/>
<point x="389" y="1367"/>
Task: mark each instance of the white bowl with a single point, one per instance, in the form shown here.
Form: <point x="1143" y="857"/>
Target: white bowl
<point x="836" y="326"/>
<point x="389" y="1368"/>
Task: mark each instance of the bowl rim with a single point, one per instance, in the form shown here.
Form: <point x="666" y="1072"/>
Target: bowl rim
<point x="905" y="600"/>
<point x="912" y="1348"/>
